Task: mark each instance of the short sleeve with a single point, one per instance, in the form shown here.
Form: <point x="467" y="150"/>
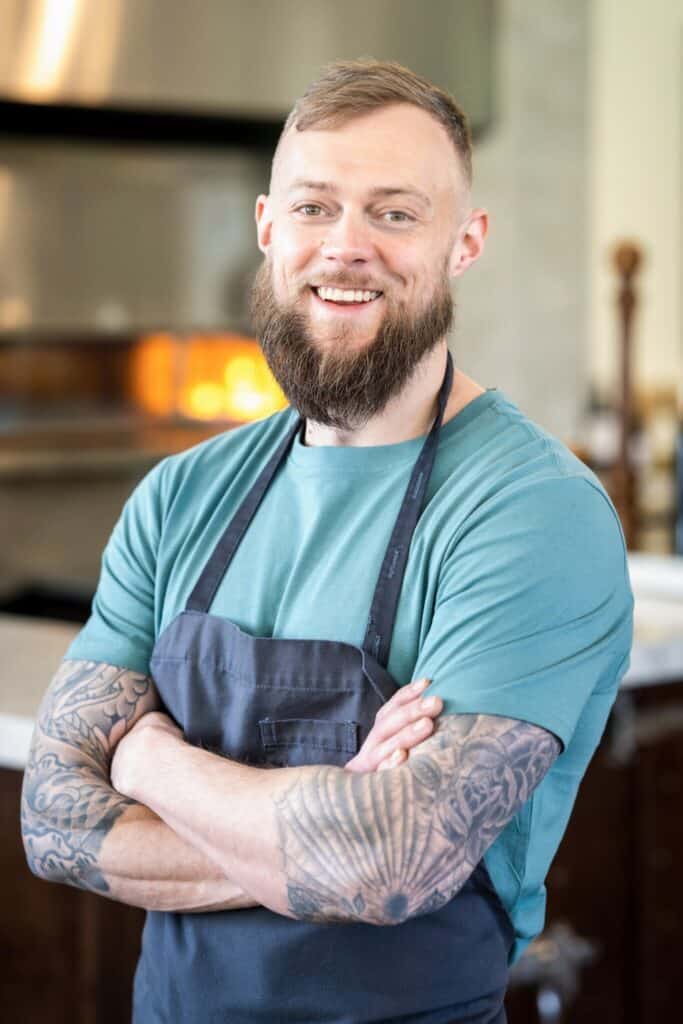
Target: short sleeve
<point x="121" y="627"/>
<point x="533" y="611"/>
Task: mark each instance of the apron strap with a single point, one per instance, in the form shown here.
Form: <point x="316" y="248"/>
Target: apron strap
<point x="204" y="592"/>
<point x="380" y="626"/>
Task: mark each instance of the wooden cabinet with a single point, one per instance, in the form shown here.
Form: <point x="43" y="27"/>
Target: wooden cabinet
<point x="68" y="957"/>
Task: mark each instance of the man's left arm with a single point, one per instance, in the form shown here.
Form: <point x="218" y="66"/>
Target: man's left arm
<point x="321" y="844"/>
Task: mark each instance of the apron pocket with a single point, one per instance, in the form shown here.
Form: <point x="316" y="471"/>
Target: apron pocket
<point x="300" y="741"/>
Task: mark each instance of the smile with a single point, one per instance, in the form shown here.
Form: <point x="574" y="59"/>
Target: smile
<point x="345" y="296"/>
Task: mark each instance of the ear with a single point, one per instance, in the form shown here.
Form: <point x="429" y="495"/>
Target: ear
<point x="469" y="244"/>
<point x="264" y="223"/>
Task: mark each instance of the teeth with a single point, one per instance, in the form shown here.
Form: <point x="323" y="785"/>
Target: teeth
<point x="337" y="295"/>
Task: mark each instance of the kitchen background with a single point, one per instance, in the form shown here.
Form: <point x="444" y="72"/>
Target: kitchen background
<point x="134" y="137"/>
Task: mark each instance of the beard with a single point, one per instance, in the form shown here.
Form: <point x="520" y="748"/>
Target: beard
<point x="342" y="388"/>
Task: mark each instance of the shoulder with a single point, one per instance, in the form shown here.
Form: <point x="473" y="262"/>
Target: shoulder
<point x="521" y="510"/>
<point x="217" y="460"/>
<point x="499" y="470"/>
<point x="511" y="461"/>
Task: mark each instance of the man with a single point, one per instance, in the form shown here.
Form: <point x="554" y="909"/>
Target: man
<point x="266" y="596"/>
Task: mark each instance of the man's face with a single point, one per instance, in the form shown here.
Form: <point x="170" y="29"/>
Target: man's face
<point x="359" y="234"/>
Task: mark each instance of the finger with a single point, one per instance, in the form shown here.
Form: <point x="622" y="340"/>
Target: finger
<point x="396" y="759"/>
<point x="403" y="695"/>
<point x="405" y="739"/>
<point x="400" y="717"/>
<point x="403" y="708"/>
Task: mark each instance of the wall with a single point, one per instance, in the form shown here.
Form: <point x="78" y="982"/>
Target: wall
<point x="636" y="180"/>
<point x="522" y="309"/>
<point x="56" y="525"/>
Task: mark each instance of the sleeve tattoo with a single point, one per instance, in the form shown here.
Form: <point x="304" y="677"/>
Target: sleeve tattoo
<point x="383" y="847"/>
<point x="68" y="805"/>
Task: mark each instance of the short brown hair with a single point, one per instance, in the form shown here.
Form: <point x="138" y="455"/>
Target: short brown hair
<point x="350" y="88"/>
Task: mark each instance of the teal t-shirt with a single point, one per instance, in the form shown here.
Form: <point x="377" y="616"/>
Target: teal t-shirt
<point x="516" y="599"/>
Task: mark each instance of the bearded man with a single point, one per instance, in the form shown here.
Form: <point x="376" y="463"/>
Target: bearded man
<point x="346" y="666"/>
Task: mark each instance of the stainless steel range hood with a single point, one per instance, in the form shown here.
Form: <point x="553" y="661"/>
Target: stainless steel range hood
<point x="246" y="56"/>
<point x="125" y="237"/>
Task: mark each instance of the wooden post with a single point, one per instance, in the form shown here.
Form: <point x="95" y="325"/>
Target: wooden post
<point x="628" y="258"/>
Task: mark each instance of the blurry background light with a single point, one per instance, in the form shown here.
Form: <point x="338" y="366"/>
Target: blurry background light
<point x="203" y="377"/>
<point x="49" y="40"/>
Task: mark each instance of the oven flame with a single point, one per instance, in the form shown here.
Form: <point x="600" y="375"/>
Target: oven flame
<point x="204" y="377"/>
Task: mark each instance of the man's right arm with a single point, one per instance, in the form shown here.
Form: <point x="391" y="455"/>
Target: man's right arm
<point x="78" y="830"/>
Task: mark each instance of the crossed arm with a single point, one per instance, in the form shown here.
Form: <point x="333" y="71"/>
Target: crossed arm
<point x="191" y="830"/>
<point x="78" y="830"/>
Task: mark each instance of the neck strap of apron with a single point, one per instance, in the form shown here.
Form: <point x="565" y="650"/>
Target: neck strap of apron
<point x="202" y="596"/>
<point x="380" y="626"/>
<point x="385" y="600"/>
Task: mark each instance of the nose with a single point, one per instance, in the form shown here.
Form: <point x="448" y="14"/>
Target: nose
<point x="348" y="240"/>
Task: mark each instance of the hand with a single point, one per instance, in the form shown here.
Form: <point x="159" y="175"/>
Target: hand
<point x="396" y="731"/>
<point x="134" y="751"/>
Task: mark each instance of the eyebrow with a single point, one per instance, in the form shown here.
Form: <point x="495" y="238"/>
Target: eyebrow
<point x="380" y="190"/>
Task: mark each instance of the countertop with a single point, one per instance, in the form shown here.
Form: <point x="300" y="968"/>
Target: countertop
<point x="33" y="648"/>
<point x="31" y="652"/>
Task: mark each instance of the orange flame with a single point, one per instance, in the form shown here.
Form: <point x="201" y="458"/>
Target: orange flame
<point x="204" y="378"/>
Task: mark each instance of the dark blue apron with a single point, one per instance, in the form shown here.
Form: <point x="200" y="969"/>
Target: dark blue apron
<point x="276" y="702"/>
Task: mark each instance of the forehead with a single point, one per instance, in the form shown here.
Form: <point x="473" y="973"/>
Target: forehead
<point x="401" y="145"/>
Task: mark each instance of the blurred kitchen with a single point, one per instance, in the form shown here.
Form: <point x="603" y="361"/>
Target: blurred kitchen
<point x="134" y="138"/>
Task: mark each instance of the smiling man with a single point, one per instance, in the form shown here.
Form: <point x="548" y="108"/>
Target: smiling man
<point x="231" y="742"/>
<point x="355" y="292"/>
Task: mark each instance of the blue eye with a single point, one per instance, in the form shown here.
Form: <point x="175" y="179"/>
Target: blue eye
<point x="397" y="216"/>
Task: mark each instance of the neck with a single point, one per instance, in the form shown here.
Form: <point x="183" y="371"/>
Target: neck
<point x="409" y="414"/>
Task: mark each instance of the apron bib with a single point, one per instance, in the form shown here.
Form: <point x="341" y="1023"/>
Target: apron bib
<point x="276" y="702"/>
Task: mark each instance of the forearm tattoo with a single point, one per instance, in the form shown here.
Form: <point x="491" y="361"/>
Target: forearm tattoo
<point x="382" y="847"/>
<point x="68" y="805"/>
